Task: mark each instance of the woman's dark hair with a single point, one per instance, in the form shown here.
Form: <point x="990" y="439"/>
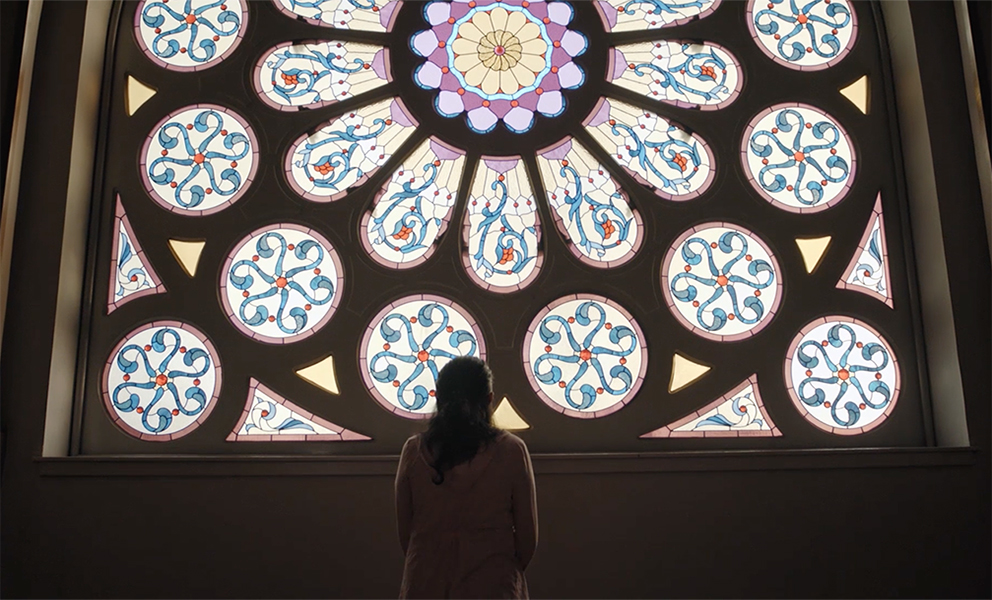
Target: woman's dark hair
<point x="463" y="422"/>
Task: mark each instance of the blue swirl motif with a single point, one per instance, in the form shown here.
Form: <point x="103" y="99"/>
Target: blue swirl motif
<point x="678" y="155"/>
<point x="205" y="156"/>
<point x="409" y="232"/>
<point x="165" y="383"/>
<point x="700" y="74"/>
<point x="131" y="273"/>
<point x="302" y="86"/>
<point x="333" y="163"/>
<point x="844" y="374"/>
<point x="314" y="9"/>
<point x="587" y="354"/>
<point x="191" y="32"/>
<point x="512" y="253"/>
<point x="423" y="355"/>
<point x="815" y="159"/>
<point x="817" y="29"/>
<point x="253" y="311"/>
<point x="870" y="270"/>
<point x="266" y="417"/>
<point x="742" y="291"/>
<point x="743" y="411"/>
<point x="668" y="10"/>
<point x="608" y="220"/>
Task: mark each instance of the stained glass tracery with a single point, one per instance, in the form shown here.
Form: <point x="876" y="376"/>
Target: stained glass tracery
<point x="190" y="35"/>
<point x="808" y="36"/>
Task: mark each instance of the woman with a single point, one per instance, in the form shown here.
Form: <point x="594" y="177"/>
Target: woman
<point x="465" y="500"/>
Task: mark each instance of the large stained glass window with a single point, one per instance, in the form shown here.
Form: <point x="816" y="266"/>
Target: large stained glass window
<point x="666" y="224"/>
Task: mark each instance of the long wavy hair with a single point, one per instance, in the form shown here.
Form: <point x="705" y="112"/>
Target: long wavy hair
<point x="463" y="423"/>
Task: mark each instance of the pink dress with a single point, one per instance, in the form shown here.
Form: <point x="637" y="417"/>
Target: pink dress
<point x="473" y="535"/>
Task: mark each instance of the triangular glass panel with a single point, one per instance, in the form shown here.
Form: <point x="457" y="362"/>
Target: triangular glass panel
<point x="505" y="417"/>
<point x="857" y="93"/>
<point x="738" y="413"/>
<point x="868" y="271"/>
<point x="268" y="417"/>
<point x="321" y="374"/>
<point x="137" y="94"/>
<point x="187" y="254"/>
<point x="813" y="250"/>
<point x="131" y="273"/>
<point x="685" y="372"/>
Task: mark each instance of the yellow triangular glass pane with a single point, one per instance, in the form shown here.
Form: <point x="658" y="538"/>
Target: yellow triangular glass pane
<point x="813" y="250"/>
<point x="188" y="254"/>
<point x="857" y="93"/>
<point x="137" y="94"/>
<point x="321" y="374"/>
<point x="685" y="371"/>
<point x="505" y="417"/>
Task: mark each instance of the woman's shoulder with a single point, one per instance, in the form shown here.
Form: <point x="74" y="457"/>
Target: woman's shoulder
<point x="509" y="440"/>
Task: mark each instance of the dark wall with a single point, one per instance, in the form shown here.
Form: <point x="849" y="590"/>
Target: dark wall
<point x="792" y="532"/>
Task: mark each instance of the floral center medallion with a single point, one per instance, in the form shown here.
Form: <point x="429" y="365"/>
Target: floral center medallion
<point x="499" y="61"/>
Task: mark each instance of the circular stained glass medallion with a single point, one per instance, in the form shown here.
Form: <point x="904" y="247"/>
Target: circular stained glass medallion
<point x="161" y="381"/>
<point x="199" y="160"/>
<point x="191" y="35"/>
<point x="282" y="283"/>
<point x="806" y="36"/>
<point x="798" y="158"/>
<point x="842" y="375"/>
<point x="585" y="356"/>
<point x="406" y="345"/>
<point x="721" y="281"/>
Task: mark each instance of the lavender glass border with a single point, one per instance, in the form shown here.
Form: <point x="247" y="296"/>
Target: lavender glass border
<point x="341" y="434"/>
<point x="772" y="311"/>
<point x="363" y="365"/>
<point x="213" y="62"/>
<point x="211" y="403"/>
<point x="257" y="75"/>
<point x="848" y="184"/>
<point x="862" y="245"/>
<point x="367" y="215"/>
<point x="390" y="8"/>
<point x="701" y="15"/>
<point x="795" y="397"/>
<point x="121" y="220"/>
<point x="335" y="302"/>
<point x="810" y="68"/>
<point x="467" y="230"/>
<point x="669" y="431"/>
<point x="560" y="223"/>
<point x="568" y="411"/>
<point x="143" y="162"/>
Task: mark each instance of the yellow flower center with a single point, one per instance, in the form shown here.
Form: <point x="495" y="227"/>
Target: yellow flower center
<point x="499" y="50"/>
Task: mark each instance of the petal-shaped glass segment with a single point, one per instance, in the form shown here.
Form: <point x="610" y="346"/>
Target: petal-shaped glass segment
<point x="192" y="35"/>
<point x="842" y="375"/>
<point x="588" y="206"/>
<point x="161" y="381"/>
<point x="413" y="209"/>
<point x="131" y="273"/>
<point x="677" y="164"/>
<point x="502" y="229"/>
<point x="721" y="281"/>
<point x="199" y="159"/>
<point x="638" y="15"/>
<point x="686" y="74"/>
<point x="314" y="74"/>
<point x="406" y="345"/>
<point x="868" y="271"/>
<point x="798" y="157"/>
<point x="322" y="166"/>
<point x="585" y="356"/>
<point x="362" y="15"/>
<point x="807" y="36"/>
<point x="282" y="283"/>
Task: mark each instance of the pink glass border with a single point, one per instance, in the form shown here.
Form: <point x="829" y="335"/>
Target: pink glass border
<point x="611" y="71"/>
<point x="143" y="162"/>
<point x="833" y="61"/>
<point x="363" y="349"/>
<point x="609" y="26"/>
<point x="121" y="220"/>
<point x="288" y="161"/>
<point x="710" y="176"/>
<point x="560" y="223"/>
<point x="669" y="431"/>
<point x="213" y="62"/>
<point x="388" y="12"/>
<point x="876" y="212"/>
<point x="335" y="302"/>
<point x="848" y="184"/>
<point x="341" y="434"/>
<point x="211" y="403"/>
<point x="467" y="231"/>
<point x="367" y="215"/>
<point x="634" y="388"/>
<point x="795" y="397"/>
<point x="772" y="310"/>
<point x="256" y="78"/>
